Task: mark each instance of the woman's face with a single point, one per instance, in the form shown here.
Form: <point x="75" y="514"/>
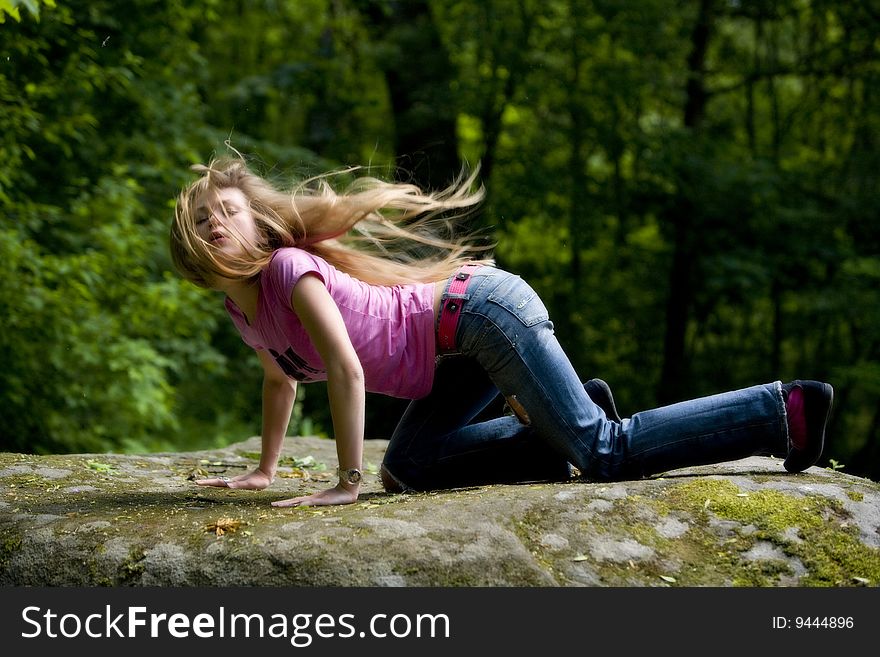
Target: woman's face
<point x="225" y="221"/>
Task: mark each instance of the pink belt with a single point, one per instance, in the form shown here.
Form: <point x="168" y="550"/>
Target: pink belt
<point x="450" y="309"/>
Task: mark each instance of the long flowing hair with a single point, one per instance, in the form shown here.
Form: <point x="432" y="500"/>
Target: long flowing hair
<point x="379" y="232"/>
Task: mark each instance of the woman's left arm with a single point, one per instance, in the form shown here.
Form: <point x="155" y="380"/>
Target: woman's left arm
<point x="323" y="322"/>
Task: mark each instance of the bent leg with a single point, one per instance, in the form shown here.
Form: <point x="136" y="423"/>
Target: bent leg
<point x="509" y="334"/>
<point x="723" y="427"/>
<point x="434" y="446"/>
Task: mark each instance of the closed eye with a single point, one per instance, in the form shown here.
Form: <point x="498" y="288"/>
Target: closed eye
<point x="228" y="210"/>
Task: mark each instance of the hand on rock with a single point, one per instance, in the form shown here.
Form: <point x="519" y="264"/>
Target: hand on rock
<point x="256" y="480"/>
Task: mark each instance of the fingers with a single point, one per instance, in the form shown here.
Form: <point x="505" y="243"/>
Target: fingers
<point x="256" y="480"/>
<point x="217" y="482"/>
<point x="224" y="482"/>
<point x="294" y="501"/>
<point x="324" y="498"/>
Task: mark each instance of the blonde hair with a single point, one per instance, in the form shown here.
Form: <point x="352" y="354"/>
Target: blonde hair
<point x="379" y="232"/>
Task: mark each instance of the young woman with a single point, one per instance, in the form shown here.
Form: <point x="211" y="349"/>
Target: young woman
<point x="367" y="291"/>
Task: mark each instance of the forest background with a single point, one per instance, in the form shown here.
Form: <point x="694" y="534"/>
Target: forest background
<point x="692" y="186"/>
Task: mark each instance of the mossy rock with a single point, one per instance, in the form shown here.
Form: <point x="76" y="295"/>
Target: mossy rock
<point x="128" y="520"/>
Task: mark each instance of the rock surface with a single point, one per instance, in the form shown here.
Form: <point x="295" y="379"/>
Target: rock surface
<point x="139" y="520"/>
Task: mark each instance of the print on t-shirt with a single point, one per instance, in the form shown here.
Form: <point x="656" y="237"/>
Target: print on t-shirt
<point x="294" y="365"/>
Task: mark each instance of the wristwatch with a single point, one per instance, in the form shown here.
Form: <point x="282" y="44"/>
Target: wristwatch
<point x="353" y="476"/>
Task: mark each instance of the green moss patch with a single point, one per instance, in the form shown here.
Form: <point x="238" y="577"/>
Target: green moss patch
<point x="826" y="543"/>
<point x="9" y="545"/>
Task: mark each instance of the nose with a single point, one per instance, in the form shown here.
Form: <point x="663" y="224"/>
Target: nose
<point x="214" y="217"/>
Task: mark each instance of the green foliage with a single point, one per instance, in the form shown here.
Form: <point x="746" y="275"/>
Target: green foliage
<point x="101" y="342"/>
<point x="13" y="8"/>
<point x="91" y="341"/>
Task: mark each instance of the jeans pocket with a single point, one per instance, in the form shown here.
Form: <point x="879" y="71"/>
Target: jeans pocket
<point x="520" y="300"/>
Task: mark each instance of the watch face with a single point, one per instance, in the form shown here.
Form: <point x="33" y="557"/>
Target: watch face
<point x="353" y="476"/>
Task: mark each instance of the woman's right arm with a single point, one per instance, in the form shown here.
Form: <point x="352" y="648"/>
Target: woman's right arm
<point x="279" y="394"/>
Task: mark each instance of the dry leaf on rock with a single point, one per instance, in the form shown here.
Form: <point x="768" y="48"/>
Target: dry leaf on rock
<point x="197" y="473"/>
<point x="223" y="525"/>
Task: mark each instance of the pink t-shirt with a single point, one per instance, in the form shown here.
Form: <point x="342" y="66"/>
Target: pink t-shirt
<point x="391" y="328"/>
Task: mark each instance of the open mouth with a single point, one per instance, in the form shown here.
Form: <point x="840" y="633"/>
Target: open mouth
<point x="216" y="236"/>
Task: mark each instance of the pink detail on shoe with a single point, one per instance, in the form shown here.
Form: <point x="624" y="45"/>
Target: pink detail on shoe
<point x="797" y="421"/>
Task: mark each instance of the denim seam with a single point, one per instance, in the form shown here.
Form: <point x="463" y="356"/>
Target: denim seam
<point x="427" y="420"/>
<point x="697" y="436"/>
<point x="483" y="330"/>
<point x="475" y="450"/>
<point x="499" y="301"/>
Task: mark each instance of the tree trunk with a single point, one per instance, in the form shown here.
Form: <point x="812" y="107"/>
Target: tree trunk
<point x="493" y="110"/>
<point x="673" y="385"/>
<point x="577" y="167"/>
<point x="419" y="75"/>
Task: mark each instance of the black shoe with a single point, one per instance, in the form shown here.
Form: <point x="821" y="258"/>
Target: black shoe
<point x="818" y="398"/>
<point x="600" y="393"/>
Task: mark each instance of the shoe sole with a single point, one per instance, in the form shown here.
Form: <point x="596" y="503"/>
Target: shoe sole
<point x="818" y="400"/>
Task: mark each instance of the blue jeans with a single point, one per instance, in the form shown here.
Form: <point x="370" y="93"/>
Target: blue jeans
<point x="505" y="343"/>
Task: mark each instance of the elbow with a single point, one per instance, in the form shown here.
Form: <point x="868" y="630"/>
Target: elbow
<point x="349" y="370"/>
<point x="355" y="374"/>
